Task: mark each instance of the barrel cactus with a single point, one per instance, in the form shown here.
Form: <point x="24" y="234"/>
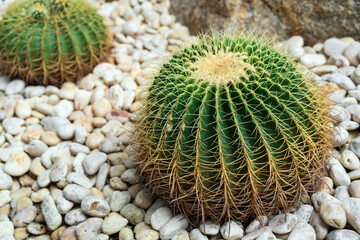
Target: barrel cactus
<point x="51" y="41"/>
<point x="232" y="129"/>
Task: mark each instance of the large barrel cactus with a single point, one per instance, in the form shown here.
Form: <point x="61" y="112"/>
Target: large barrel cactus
<point x="232" y="129"/>
<point x="51" y="41"/>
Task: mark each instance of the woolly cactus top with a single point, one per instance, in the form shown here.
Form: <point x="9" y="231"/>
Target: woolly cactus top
<point x="231" y="128"/>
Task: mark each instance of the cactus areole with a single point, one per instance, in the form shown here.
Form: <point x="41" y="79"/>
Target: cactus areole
<point x="51" y="41"/>
<point x="232" y="129"/>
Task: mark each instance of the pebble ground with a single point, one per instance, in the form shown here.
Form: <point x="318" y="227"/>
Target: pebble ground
<point x="67" y="169"/>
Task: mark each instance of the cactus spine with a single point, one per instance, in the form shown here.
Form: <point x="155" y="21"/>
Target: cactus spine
<point x="232" y="129"/>
<point x="51" y="41"/>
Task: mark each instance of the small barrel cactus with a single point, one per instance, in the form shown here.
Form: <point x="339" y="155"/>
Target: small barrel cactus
<point x="51" y="41"/>
<point x="232" y="129"/>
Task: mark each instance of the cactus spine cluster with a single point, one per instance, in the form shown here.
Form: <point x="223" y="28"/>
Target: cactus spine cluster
<point x="232" y="129"/>
<point x="51" y="41"/>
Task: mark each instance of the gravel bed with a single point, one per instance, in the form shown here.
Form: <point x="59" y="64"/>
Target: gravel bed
<point x="67" y="170"/>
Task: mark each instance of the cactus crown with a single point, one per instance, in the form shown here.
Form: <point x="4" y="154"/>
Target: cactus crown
<point x="231" y="128"/>
<point x="52" y="41"/>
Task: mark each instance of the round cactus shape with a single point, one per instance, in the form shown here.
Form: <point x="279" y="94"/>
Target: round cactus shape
<point x="52" y="41"/>
<point x="231" y="129"/>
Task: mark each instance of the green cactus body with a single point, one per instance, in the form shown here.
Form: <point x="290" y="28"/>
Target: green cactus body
<point x="231" y="128"/>
<point x="52" y="41"/>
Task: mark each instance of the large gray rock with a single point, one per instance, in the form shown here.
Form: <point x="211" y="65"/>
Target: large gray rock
<point x="283" y="18"/>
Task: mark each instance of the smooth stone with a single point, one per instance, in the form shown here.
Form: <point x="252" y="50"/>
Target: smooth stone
<point x="80" y="179"/>
<point x="260" y="234"/>
<point x="176" y="223"/>
<point x="24" y="216"/>
<point x="195" y="234"/>
<point x="66" y="132"/>
<point x="75" y="193"/>
<point x="131" y="28"/>
<point x="339" y="174"/>
<point x="36" y="228"/>
<point x="333" y="214"/>
<point x="354" y="188"/>
<point x="23" y="109"/>
<point x="4" y="197"/>
<point x="111" y="144"/>
<point x="63" y="205"/>
<point x="93" y="161"/>
<point x="89" y="229"/>
<point x="323" y="69"/>
<point x="342" y="193"/>
<point x="282" y="223"/>
<point x="5" y="180"/>
<point x="342" y="234"/>
<point x="160" y="217"/>
<point x="52" y="217"/>
<point x="349" y="125"/>
<point x="319" y="197"/>
<point x="341" y="80"/>
<point x="6" y="228"/>
<point x="303" y="213"/>
<point x="339" y="114"/>
<point x="209" y="228"/>
<point x="352" y="53"/>
<point x="131" y="176"/>
<point x="118" y="200"/>
<point x="101" y="107"/>
<point x="232" y="230"/>
<point x="82" y="99"/>
<point x="75" y="217"/>
<point x="36" y="148"/>
<point x="14" y="87"/>
<point x="58" y="171"/>
<point x="352" y="209"/>
<point x="18" y="164"/>
<point x="340" y="136"/>
<point x="94" y="206"/>
<point x="321" y="228"/>
<point x="181" y="235"/>
<point x="126" y="234"/>
<point x="144" y="199"/>
<point x="76" y="148"/>
<point x="354" y="146"/>
<point x="54" y="123"/>
<point x="13" y="125"/>
<point x="312" y="60"/>
<point x="158" y="203"/>
<point x="133" y="213"/>
<point x="113" y="223"/>
<point x="63" y="108"/>
<point x="334" y="46"/>
<point x="338" y="60"/>
<point x="34" y="91"/>
<point x="147" y="234"/>
<point x="349" y="160"/>
<point x="302" y="231"/>
<point x="69" y="234"/>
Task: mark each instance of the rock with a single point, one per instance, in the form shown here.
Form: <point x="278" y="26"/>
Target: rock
<point x="341" y="80"/>
<point x="131" y="28"/>
<point x="302" y="231"/>
<point x="18" y="164"/>
<point x="113" y="223"/>
<point x="52" y="217"/>
<point x="63" y="108"/>
<point x="339" y="114"/>
<point x="82" y="99"/>
<point x="352" y="52"/>
<point x="160" y="217"/>
<point x="95" y="206"/>
<point x="80" y="179"/>
<point x="36" y="228"/>
<point x="14" y="87"/>
<point x="131" y="176"/>
<point x="333" y="214"/>
<point x="260" y="234"/>
<point x="132" y="213"/>
<point x="39" y="195"/>
<point x="34" y="91"/>
<point x="349" y="125"/>
<point x="323" y="69"/>
<point x="74" y="217"/>
<point x="334" y="46"/>
<point x="342" y="193"/>
<point x="63" y="205"/>
<point x="338" y="60"/>
<point x="282" y="223"/>
<point x="36" y="148"/>
<point x="349" y="160"/>
<point x="111" y="144"/>
<point x="352" y="210"/>
<point x="304" y="213"/>
<point x="195" y="234"/>
<point x="338" y="174"/>
<point x="94" y="139"/>
<point x="50" y="138"/>
<point x="24" y="216"/>
<point x="93" y="161"/>
<point x="354" y="189"/>
<point x="181" y="235"/>
<point x="101" y="107"/>
<point x="118" y="200"/>
<point x="66" y="132"/>
<point x="232" y="230"/>
<point x="312" y="60"/>
<point x="209" y="228"/>
<point x="144" y="199"/>
<point x="321" y="228"/>
<point x="89" y="229"/>
<point x="343" y="234"/>
<point x="6" y="228"/>
<point x="69" y="234"/>
<point x="176" y="223"/>
<point x="13" y="125"/>
<point x="54" y="123"/>
<point x="5" y="181"/>
<point x="75" y="193"/>
<point x="58" y="171"/>
<point x="4" y="197"/>
<point x="22" y="109"/>
<point x="76" y="148"/>
<point x="147" y="234"/>
<point x="356" y="75"/>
